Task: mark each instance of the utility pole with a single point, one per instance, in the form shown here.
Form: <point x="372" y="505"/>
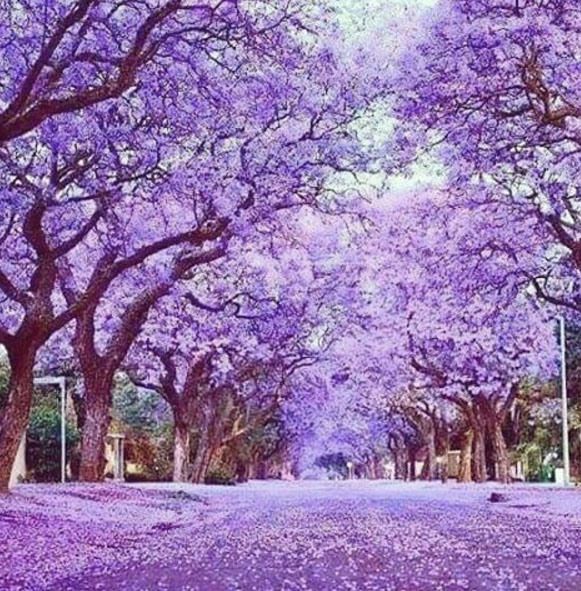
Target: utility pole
<point x="564" y="406"/>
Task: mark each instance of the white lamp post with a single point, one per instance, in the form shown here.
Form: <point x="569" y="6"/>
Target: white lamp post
<point x="564" y="406"/>
<point x="350" y="470"/>
<point x="61" y="382"/>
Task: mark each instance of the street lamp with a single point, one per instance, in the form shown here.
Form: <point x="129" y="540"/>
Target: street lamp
<point x="350" y="470"/>
<point x="61" y="382"/>
<point x="564" y="406"/>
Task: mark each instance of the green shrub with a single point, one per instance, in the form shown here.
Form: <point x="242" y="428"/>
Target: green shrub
<point x="43" y="444"/>
<point x="220" y="475"/>
<point x="4" y="379"/>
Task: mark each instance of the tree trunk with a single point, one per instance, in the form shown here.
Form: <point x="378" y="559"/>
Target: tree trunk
<point x="241" y="471"/>
<point x="16" y="412"/>
<point x="181" y="453"/>
<point x="429" y="468"/>
<point x="206" y="462"/>
<point x="400" y="464"/>
<point x="479" y="455"/>
<point x="473" y="412"/>
<point x="99" y="370"/>
<point x="500" y="450"/>
<point x="261" y="470"/>
<point x="378" y="468"/>
<point x="97" y="419"/>
<point x="411" y="472"/>
<point x="399" y="453"/>
<point x="465" y="467"/>
<point x="199" y="465"/>
<point x="443" y="445"/>
<point x="375" y="468"/>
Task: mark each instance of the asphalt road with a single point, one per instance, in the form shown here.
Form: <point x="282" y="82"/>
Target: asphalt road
<point x="331" y="536"/>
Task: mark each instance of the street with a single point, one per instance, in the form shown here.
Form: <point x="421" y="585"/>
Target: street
<point x="289" y="536"/>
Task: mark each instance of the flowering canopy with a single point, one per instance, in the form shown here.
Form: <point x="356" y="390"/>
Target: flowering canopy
<point x="190" y="194"/>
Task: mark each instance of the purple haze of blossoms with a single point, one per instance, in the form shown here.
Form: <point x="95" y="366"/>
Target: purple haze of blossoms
<point x="158" y="161"/>
<point x="140" y="143"/>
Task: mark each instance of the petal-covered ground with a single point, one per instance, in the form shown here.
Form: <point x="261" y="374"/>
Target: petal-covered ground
<point x="289" y="536"/>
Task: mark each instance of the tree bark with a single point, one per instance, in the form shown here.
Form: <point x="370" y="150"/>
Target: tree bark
<point x="411" y="463"/>
<point x="241" y="471"/>
<point x="501" y="454"/>
<point x="181" y="454"/>
<point x="97" y="420"/>
<point x="211" y="441"/>
<point x="208" y="443"/>
<point x="399" y="453"/>
<point x="479" y="454"/>
<point x="429" y="468"/>
<point x="261" y="469"/>
<point x="502" y="463"/>
<point x="373" y="468"/>
<point x="206" y="462"/>
<point x="201" y="459"/>
<point x="465" y="467"/>
<point x="17" y="410"/>
<point x="443" y="447"/>
<point x="477" y="423"/>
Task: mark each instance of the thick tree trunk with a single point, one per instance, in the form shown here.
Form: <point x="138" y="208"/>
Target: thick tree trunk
<point x="201" y="458"/>
<point x="378" y="468"/>
<point x="430" y="465"/>
<point x="479" y="455"/>
<point x="502" y="462"/>
<point x="496" y="415"/>
<point x="401" y="466"/>
<point x="16" y="412"/>
<point x="261" y="470"/>
<point x="99" y="370"/>
<point x="372" y="468"/>
<point x="208" y="444"/>
<point x="478" y="427"/>
<point x="443" y="445"/>
<point x="411" y="471"/>
<point x="206" y="462"/>
<point x="181" y="453"/>
<point x="97" y="419"/>
<point x="399" y="454"/>
<point x="465" y="467"/>
<point x="241" y="472"/>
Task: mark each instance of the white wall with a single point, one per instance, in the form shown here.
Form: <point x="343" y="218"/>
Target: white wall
<point x="19" y="466"/>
